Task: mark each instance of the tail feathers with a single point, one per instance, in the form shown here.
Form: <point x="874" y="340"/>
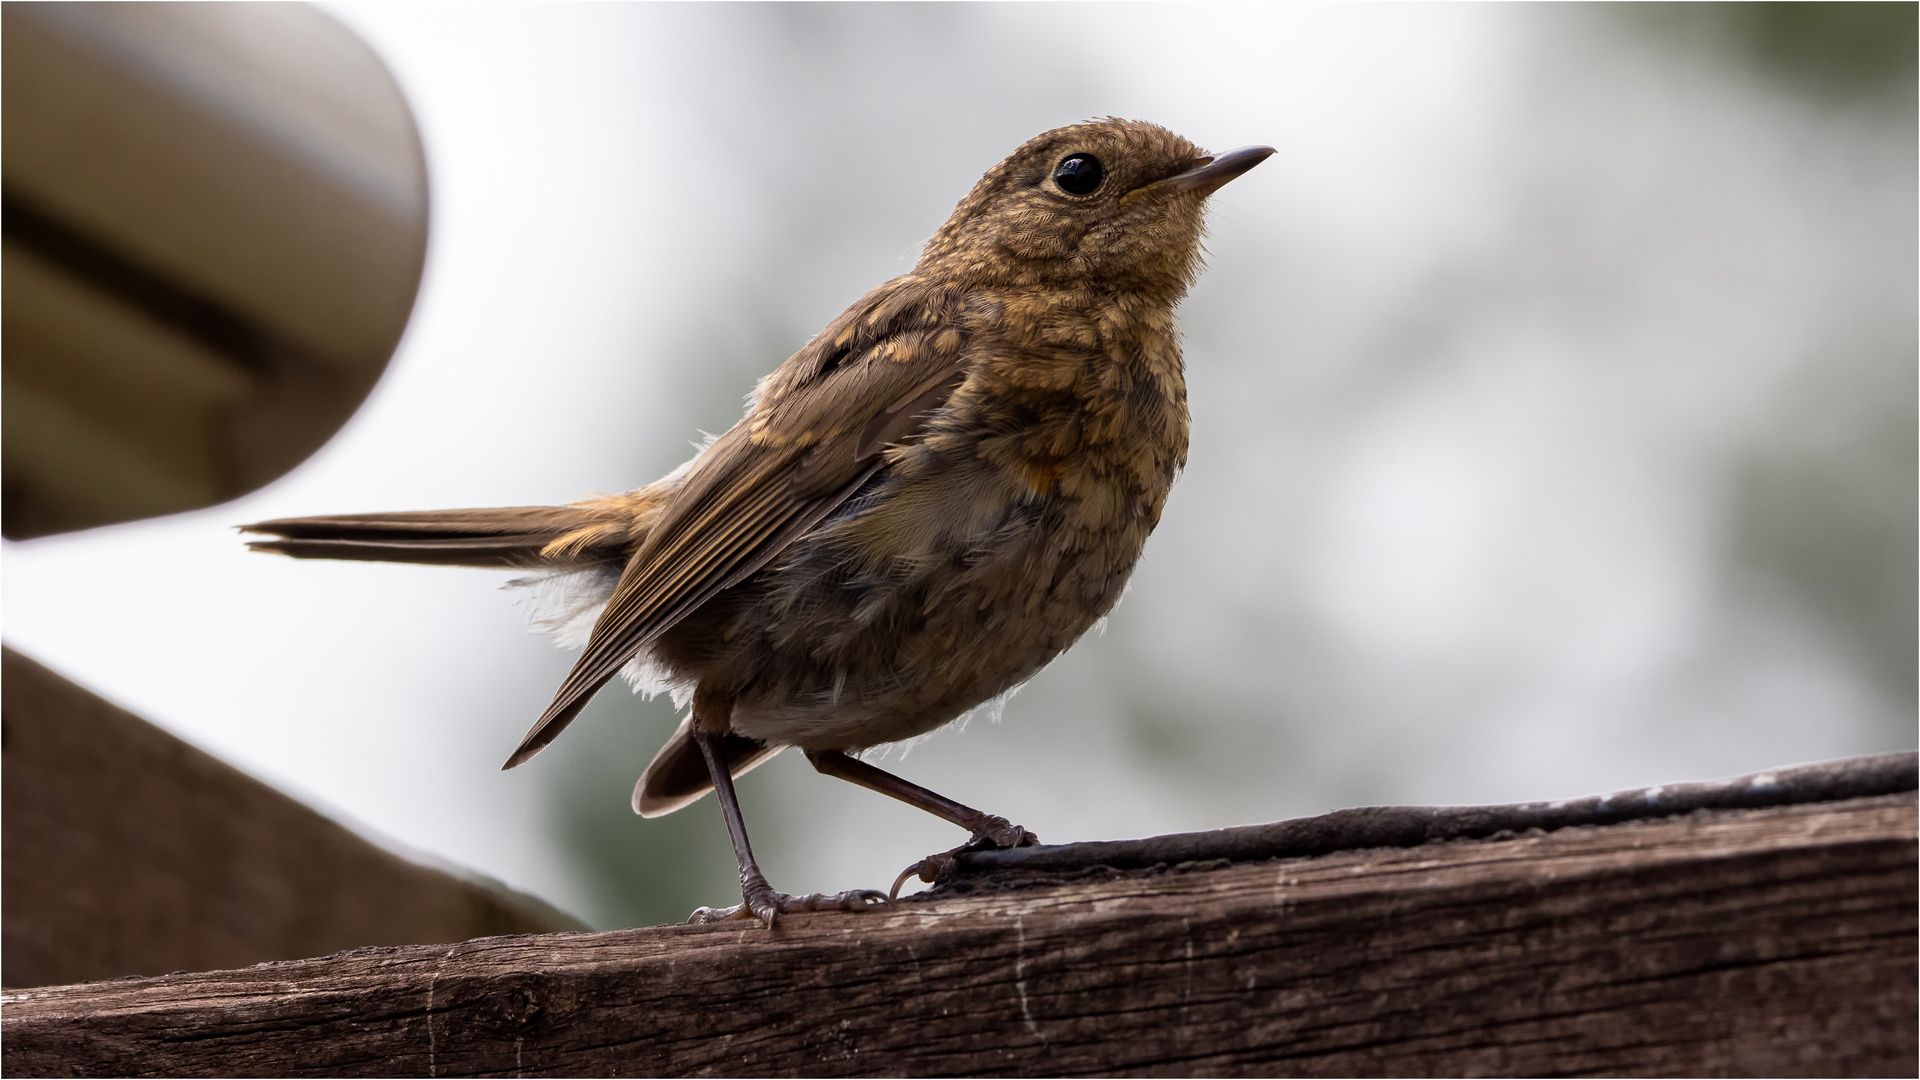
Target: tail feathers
<point x="511" y="536"/>
<point x="678" y="775"/>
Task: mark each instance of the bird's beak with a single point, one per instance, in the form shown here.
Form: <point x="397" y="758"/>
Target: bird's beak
<point x="1210" y="174"/>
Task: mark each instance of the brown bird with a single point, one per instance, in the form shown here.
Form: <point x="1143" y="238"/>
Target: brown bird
<point x="933" y="498"/>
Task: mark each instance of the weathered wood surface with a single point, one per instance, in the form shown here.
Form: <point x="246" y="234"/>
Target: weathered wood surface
<point x="1408" y="826"/>
<point x="1772" y="941"/>
<point x="129" y="852"/>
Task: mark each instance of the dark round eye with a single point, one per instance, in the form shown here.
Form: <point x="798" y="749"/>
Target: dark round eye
<point x="1079" y="174"/>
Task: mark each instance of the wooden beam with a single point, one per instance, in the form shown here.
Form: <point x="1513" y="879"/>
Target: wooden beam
<point x="1408" y="826"/>
<point x="129" y="852"/>
<point x="1763" y="941"/>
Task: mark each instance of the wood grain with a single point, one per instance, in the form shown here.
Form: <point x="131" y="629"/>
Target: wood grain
<point x="1776" y="941"/>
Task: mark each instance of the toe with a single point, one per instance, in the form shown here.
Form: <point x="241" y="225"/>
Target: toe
<point x="767" y="908"/>
<point x="862" y="899"/>
<point x="851" y="900"/>
<point x="998" y="832"/>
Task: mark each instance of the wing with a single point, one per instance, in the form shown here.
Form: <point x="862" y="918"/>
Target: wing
<point x="811" y="439"/>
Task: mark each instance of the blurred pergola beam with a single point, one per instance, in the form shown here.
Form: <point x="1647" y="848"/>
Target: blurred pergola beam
<point x="1773" y="939"/>
<point x="129" y="852"/>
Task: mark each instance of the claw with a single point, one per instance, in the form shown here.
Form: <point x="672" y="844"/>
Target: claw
<point x="928" y="868"/>
<point x="995" y="833"/>
<point x="704" y="915"/>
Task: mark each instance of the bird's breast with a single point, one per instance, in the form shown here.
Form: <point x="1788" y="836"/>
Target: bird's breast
<point x="980" y="550"/>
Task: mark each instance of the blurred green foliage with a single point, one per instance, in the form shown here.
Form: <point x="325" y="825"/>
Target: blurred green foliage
<point x="1827" y="508"/>
<point x="1838" y="50"/>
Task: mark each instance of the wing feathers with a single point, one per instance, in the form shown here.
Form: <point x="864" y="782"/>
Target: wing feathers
<point x="903" y="416"/>
<point x="643" y="608"/>
<point x="811" y="440"/>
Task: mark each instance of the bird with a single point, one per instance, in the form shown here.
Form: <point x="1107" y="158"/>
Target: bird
<point x="934" y="497"/>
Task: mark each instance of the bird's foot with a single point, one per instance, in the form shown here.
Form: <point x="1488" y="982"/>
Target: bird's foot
<point x="767" y="905"/>
<point x="993" y="834"/>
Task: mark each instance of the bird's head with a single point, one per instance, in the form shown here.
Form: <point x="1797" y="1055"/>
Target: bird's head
<point x="1118" y="202"/>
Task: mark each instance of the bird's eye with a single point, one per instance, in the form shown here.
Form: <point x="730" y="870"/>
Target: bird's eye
<point x="1079" y="174"/>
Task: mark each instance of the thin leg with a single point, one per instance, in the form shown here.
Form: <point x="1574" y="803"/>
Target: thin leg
<point x="751" y="879"/>
<point x="760" y="901"/>
<point x="988" y="830"/>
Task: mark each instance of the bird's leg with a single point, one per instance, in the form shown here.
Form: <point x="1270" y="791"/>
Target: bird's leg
<point x="987" y="830"/>
<point x="760" y="901"/>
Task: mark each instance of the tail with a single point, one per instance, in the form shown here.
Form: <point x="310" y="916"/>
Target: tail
<point x="589" y="533"/>
<point x="678" y="775"/>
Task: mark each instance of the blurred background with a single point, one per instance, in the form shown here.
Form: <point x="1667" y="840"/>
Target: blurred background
<point x="1553" y="394"/>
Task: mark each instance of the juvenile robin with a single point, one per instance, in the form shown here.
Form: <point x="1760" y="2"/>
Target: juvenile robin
<point x="929" y="501"/>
